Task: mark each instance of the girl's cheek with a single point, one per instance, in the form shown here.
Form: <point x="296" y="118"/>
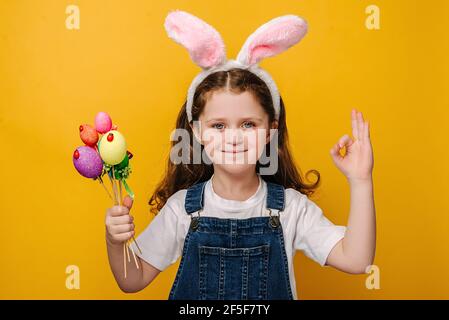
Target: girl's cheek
<point x="256" y="139"/>
<point x="212" y="144"/>
<point x="211" y="137"/>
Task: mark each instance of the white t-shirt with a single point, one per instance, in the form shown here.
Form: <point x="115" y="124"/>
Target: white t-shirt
<point x="304" y="226"/>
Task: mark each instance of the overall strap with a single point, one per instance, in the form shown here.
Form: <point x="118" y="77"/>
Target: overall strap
<point x="194" y="197"/>
<point x="275" y="196"/>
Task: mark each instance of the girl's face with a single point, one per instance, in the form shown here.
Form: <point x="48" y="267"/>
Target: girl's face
<point x="234" y="129"/>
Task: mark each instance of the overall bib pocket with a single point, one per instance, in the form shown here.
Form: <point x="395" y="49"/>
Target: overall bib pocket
<point x="233" y="273"/>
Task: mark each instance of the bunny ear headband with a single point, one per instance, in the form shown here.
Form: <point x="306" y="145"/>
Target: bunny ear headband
<point x="207" y="50"/>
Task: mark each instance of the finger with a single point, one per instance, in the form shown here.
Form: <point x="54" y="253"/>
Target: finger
<point x="124" y="236"/>
<point x="121" y="219"/>
<point x="117" y="211"/>
<point x="128" y="202"/>
<point x="121" y="228"/>
<point x="354" y="124"/>
<point x="335" y="152"/>
<point x="360" y="126"/>
<point x="345" y="141"/>
<point x="366" y="130"/>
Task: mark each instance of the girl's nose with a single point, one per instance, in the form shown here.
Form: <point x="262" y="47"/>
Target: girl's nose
<point x="233" y="136"/>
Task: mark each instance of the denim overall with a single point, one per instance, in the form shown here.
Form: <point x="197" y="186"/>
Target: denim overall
<point x="233" y="259"/>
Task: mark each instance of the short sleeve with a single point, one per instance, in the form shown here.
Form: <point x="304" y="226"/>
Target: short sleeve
<point x="161" y="241"/>
<point x="316" y="235"/>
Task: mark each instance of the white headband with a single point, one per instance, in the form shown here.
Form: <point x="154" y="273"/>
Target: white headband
<point x="207" y="50"/>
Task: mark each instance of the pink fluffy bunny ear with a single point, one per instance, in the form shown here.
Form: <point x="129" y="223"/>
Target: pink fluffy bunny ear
<point x="272" y="38"/>
<point x="204" y="43"/>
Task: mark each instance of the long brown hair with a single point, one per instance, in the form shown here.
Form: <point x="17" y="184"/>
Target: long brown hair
<point x="183" y="175"/>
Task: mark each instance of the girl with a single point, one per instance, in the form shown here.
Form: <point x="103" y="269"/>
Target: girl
<point x="236" y="221"/>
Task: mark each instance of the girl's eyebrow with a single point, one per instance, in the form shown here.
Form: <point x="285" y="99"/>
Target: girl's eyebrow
<point x="242" y="119"/>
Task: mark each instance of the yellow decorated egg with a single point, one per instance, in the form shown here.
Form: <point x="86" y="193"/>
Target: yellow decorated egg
<point x="112" y="147"/>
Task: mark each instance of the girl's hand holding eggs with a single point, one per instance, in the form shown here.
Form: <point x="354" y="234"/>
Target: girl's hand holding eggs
<point x="119" y="223"/>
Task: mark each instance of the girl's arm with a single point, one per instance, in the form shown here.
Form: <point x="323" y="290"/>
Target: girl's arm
<point x="355" y="252"/>
<point x="119" y="229"/>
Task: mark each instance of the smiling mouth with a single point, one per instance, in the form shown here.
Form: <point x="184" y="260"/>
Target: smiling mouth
<point x="234" y="151"/>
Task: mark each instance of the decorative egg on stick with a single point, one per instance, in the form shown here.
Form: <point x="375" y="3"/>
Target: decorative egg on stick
<point x="88" y="135"/>
<point x="103" y="122"/>
<point x="89" y="164"/>
<point x="112" y="147"/>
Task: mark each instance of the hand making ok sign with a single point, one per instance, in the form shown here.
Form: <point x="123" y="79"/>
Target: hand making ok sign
<point x="357" y="162"/>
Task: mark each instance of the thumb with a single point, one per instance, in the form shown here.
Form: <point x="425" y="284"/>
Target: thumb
<point x="335" y="152"/>
<point x="128" y="202"/>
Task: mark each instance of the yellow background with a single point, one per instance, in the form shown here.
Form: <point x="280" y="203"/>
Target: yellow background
<point x="121" y="61"/>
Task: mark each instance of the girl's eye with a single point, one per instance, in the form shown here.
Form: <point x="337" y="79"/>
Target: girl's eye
<point x="218" y="126"/>
<point x="248" y="125"/>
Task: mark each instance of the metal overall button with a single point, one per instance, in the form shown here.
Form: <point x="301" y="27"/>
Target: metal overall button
<point x="195" y="222"/>
<point x="274" y="220"/>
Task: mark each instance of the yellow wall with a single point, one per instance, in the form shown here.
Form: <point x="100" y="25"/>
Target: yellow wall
<point x="121" y="61"/>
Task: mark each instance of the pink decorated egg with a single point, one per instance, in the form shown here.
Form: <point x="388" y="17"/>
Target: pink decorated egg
<point x="88" y="135"/>
<point x="103" y="122"/>
<point x="87" y="162"/>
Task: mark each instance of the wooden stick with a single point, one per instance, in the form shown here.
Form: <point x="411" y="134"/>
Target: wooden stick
<point x="113" y="189"/>
<point x="137" y="245"/>
<point x="127" y="251"/>
<point x="124" y="258"/>
<point x="120" y="188"/>
<point x="134" y="255"/>
<point x="104" y="187"/>
<point x="119" y="200"/>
